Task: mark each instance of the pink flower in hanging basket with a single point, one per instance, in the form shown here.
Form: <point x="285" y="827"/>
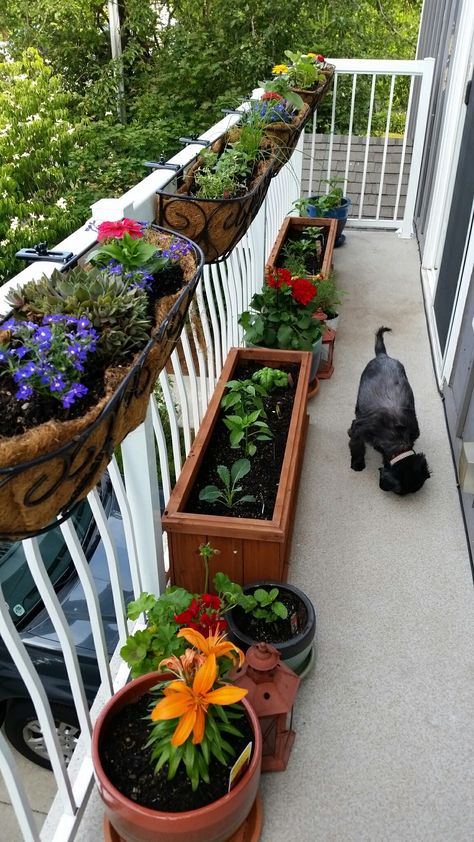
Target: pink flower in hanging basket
<point x="117" y="229"/>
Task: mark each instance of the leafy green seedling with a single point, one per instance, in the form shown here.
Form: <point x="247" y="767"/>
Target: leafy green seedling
<point x="229" y="479"/>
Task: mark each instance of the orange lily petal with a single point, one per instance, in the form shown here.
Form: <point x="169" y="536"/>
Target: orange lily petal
<point x="177" y="686"/>
<point x="205" y="677"/>
<point x="199" y="727"/>
<point x="228" y="647"/>
<point x="170" y="708"/>
<point x="226" y="695"/>
<point x="184" y="728"/>
<point x="195" y="638"/>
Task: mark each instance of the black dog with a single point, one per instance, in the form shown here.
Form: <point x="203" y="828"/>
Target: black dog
<point x="386" y="419"/>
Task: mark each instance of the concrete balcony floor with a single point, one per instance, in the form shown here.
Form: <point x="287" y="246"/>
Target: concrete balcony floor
<point x="384" y="724"/>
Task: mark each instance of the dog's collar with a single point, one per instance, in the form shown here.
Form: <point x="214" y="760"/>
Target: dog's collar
<point x="401" y="456"/>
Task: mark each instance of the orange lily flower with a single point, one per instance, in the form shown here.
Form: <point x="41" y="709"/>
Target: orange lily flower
<point x="190" y="703"/>
<point x="215" y="644"/>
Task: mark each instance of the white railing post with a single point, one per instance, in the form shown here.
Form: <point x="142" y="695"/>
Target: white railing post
<point x="406" y="229"/>
<point x="141" y="483"/>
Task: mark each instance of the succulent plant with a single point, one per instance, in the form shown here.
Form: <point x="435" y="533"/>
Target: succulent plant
<point x="118" y="313"/>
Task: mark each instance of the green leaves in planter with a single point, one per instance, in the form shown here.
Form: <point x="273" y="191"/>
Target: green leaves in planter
<point x="118" y="313"/>
<point x="264" y="605"/>
<point x="270" y="378"/>
<point x="245" y="423"/>
<point x="227" y="494"/>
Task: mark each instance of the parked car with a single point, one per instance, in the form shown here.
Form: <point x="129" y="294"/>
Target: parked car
<point x="17" y="713"/>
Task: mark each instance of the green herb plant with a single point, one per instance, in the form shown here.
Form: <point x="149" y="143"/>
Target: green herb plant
<point x="263" y="604"/>
<point x="302" y="71"/>
<point x="227" y="494"/>
<point x="296" y="252"/>
<point x="131" y="254"/>
<point x="271" y="378"/>
<point x="245" y="415"/>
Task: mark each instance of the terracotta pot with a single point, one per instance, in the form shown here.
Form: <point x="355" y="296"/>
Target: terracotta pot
<point x="296" y="224"/>
<point x="214" y="823"/>
<point x="49" y="468"/>
<point x="249" y="549"/>
<point x="296" y="652"/>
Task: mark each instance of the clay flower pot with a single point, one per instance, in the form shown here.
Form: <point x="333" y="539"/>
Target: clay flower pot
<point x="217" y="822"/>
<point x="296" y="651"/>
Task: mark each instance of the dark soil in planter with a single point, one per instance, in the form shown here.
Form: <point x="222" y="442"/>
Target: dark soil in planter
<point x="127" y="764"/>
<point x="166" y="282"/>
<point x="263" y="480"/>
<point x="278" y="631"/>
<point x="19" y="415"/>
<point x="313" y="261"/>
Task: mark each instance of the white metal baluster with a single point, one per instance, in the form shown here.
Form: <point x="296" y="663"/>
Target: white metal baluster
<point x="173" y="419"/>
<point x="183" y="400"/>
<point x="404" y="147"/>
<point x="87" y="581"/>
<point x="218" y="317"/>
<point x="331" y="130"/>
<point x="211" y="364"/>
<point x="192" y="378"/>
<point x="201" y="354"/>
<point x="162" y="452"/>
<point x="234" y="275"/>
<point x="119" y="491"/>
<point x="367" y="144"/>
<point x="214" y="350"/>
<point x="16" y="791"/>
<point x="312" y="153"/>
<point x="349" y="136"/>
<point x="36" y="691"/>
<point x="112" y="563"/>
<point x="56" y="613"/>
<point x="141" y="482"/>
<point x="385" y="147"/>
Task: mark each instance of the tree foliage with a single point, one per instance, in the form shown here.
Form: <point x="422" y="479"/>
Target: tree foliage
<point x="183" y="61"/>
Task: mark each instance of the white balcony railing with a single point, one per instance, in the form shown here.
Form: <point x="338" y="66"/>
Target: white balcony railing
<point x="223" y="293"/>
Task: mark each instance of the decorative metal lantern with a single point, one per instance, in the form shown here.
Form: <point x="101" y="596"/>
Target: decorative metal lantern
<point x="272" y="689"/>
<point x="326" y="366"/>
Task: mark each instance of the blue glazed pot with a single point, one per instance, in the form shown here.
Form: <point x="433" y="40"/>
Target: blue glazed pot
<point x="341" y="213"/>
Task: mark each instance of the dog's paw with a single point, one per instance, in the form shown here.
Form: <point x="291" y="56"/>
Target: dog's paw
<point x="358" y="464"/>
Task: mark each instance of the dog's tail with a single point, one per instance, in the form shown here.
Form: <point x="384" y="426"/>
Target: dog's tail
<point x="379" y="343"/>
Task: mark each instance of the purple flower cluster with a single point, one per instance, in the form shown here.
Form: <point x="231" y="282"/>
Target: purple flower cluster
<point x="136" y="279"/>
<point x="177" y="249"/>
<point x="271" y="112"/>
<point x="50" y="357"/>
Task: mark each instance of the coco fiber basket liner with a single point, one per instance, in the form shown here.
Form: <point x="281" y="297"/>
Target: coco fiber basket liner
<point x="284" y="137"/>
<point x="47" y="469"/>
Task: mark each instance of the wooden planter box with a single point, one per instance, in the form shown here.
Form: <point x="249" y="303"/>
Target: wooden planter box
<point x="296" y="224"/>
<point x="249" y="550"/>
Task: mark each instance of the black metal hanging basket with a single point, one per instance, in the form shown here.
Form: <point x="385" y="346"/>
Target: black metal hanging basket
<point x="216" y="225"/>
<point x="47" y="469"/>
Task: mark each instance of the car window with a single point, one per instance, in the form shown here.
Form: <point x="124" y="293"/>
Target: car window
<point x="19" y="589"/>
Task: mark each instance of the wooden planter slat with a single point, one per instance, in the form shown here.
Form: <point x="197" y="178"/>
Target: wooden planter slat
<point x="298" y="223"/>
<point x="249" y="549"/>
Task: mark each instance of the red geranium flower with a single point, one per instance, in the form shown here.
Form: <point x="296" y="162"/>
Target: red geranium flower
<point x="321" y="57"/>
<point x="117" y="229"/>
<point x="303" y="291"/>
<point x="270" y="95"/>
<point x="277" y="277"/>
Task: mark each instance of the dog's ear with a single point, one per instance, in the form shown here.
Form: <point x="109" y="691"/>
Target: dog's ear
<point x="387" y="481"/>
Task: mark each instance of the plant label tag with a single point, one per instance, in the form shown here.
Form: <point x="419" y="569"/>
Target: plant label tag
<point x="294" y="623"/>
<point x="240" y="766"/>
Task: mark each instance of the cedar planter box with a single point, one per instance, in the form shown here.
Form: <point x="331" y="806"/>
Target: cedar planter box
<point x="249" y="549"/>
<point x="293" y="225"/>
